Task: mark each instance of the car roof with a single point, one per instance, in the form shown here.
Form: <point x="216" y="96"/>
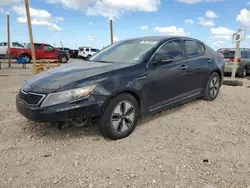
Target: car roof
<point x="232" y="49"/>
<point x="162" y="38"/>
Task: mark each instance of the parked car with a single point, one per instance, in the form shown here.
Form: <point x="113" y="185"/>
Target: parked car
<point x="243" y="62"/>
<point x="87" y="52"/>
<point x="123" y="82"/>
<point x="73" y="53"/>
<point x="42" y="51"/>
<point x="4" y="47"/>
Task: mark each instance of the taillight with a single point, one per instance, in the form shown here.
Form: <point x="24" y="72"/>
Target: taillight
<point x="232" y="60"/>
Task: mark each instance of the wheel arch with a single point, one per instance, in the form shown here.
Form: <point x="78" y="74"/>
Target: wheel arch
<point x="23" y="54"/>
<point x="130" y="91"/>
<point x="219" y="73"/>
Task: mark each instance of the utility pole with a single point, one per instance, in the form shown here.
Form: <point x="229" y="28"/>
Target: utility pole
<point x="236" y="57"/>
<point x="8" y="31"/>
<point x="62" y="46"/>
<point x="31" y="36"/>
<point x="111" y="31"/>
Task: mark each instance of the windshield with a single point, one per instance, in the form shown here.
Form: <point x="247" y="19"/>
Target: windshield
<point x="130" y="51"/>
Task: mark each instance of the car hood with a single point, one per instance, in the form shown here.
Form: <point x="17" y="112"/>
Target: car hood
<point x="59" y="77"/>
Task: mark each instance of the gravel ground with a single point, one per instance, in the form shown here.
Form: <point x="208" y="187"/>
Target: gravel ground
<point x="200" y="144"/>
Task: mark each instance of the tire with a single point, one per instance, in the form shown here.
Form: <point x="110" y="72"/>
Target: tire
<point x="63" y="59"/>
<point x="243" y="73"/>
<point x="89" y="56"/>
<point x="114" y="123"/>
<point x="27" y="57"/>
<point x="212" y="88"/>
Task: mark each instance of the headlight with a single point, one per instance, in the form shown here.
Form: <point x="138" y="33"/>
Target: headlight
<point x="69" y="95"/>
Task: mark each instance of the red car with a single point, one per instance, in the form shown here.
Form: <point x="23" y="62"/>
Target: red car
<point x="42" y="51"/>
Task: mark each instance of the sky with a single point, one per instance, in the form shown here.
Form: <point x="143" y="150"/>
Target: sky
<point x="78" y="23"/>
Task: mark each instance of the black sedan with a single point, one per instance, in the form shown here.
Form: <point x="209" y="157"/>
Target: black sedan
<point x="123" y="82"/>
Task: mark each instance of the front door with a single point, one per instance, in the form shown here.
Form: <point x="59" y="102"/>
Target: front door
<point x="49" y="52"/>
<point x="167" y="82"/>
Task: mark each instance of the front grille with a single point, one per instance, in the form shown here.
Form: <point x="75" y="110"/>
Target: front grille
<point x="33" y="99"/>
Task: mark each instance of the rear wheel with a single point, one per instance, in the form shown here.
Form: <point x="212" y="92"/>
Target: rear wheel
<point x="26" y="57"/>
<point x="212" y="88"/>
<point x="120" y="117"/>
<point x="243" y="73"/>
<point x="89" y="56"/>
<point x="63" y="59"/>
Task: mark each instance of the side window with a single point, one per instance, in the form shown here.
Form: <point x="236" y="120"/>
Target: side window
<point x="2" y="44"/>
<point x="38" y="46"/>
<point x="194" y="48"/>
<point x="93" y="50"/>
<point x="49" y="48"/>
<point x="86" y="49"/>
<point x="173" y="49"/>
<point x="244" y="54"/>
<point x="19" y="45"/>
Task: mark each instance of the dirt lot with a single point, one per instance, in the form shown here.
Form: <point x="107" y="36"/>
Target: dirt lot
<point x="201" y="144"/>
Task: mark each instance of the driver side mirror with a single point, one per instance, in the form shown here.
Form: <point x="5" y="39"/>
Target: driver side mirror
<point x="162" y="59"/>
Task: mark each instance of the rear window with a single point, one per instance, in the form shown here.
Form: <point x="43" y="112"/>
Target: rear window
<point x="93" y="50"/>
<point x="228" y="54"/>
<point x="194" y="48"/>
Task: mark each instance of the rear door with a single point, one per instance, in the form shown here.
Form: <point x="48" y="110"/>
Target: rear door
<point x="39" y="51"/>
<point x="198" y="65"/>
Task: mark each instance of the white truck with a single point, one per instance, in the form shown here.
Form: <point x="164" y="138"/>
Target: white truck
<point x="4" y="47"/>
<point x="87" y="52"/>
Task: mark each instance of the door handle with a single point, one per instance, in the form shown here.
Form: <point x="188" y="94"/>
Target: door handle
<point x="183" y="67"/>
<point x="209" y="61"/>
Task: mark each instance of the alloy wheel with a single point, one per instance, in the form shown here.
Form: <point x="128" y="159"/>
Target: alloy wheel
<point x="244" y="73"/>
<point x="123" y="116"/>
<point x="214" y="86"/>
<point x="63" y="59"/>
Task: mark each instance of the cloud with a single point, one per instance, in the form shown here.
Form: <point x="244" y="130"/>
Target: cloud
<point x="1" y="11"/>
<point x="205" y="22"/>
<point x="59" y="19"/>
<point x="9" y="2"/>
<point x="172" y="30"/>
<point x="244" y="17"/>
<point x="189" y="21"/>
<point x="248" y="36"/>
<point x="211" y="15"/>
<point x="218" y="44"/>
<point x="144" y="27"/>
<point x="109" y="8"/>
<point x="90" y="23"/>
<point x="221" y="33"/>
<point x="90" y="38"/>
<point x="248" y="3"/>
<point x="197" y="1"/>
<point x="115" y="39"/>
<point x="38" y="17"/>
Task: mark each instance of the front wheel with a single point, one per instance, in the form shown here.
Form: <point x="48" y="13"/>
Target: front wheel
<point x="212" y="88"/>
<point x="120" y="117"/>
